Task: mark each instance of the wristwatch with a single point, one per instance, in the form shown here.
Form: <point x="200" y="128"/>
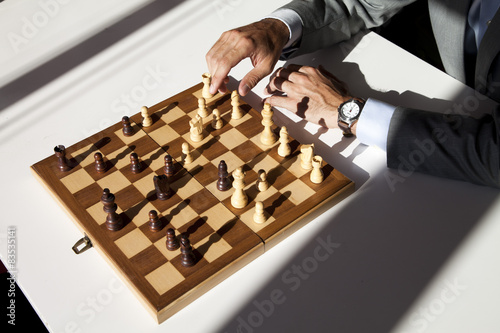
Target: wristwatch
<point x="349" y="113"/>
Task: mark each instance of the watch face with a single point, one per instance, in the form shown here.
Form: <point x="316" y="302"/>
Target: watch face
<point x="350" y="110"/>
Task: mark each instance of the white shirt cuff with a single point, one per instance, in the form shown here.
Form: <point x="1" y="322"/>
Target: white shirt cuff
<point x="373" y="124"/>
<point x="292" y="20"/>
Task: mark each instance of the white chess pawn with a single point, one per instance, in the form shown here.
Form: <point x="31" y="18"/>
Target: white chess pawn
<point x="196" y="131"/>
<point x="284" y="148"/>
<point x="147" y="121"/>
<point x="267" y="136"/>
<point x="239" y="198"/>
<point x="186" y="154"/>
<point x="317" y="175"/>
<point x="235" y="103"/>
<point x="207" y="79"/>
<point x="216" y="121"/>
<point x="259" y="216"/>
<point x="306" y="156"/>
<point x="262" y="183"/>
<point x="202" y="108"/>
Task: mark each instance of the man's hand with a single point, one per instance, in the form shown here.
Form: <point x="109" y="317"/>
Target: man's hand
<point x="262" y="41"/>
<point x="312" y="93"/>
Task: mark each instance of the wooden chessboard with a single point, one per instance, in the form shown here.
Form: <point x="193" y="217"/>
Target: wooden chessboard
<point x="224" y="238"/>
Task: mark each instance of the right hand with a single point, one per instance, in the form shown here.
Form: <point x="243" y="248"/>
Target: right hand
<point x="261" y="41"/>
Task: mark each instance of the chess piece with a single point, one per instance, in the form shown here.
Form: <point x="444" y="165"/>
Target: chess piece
<point x="114" y="221"/>
<point x="267" y="136"/>
<point x="236" y="113"/>
<point x="284" y="148"/>
<point x="223" y="184"/>
<point x="100" y="165"/>
<point x="262" y="183"/>
<point x="172" y="242"/>
<point x="259" y="216"/>
<point x="146" y="118"/>
<point x="62" y="162"/>
<point x="202" y="108"/>
<point x="154" y="222"/>
<point x="127" y="130"/>
<point x="162" y="187"/>
<point x="188" y="258"/>
<point x="135" y="163"/>
<point x="169" y="166"/>
<point x="217" y="120"/>
<point x="306" y="155"/>
<point x="187" y="158"/>
<point x="207" y="79"/>
<point x="239" y="198"/>
<point x="317" y="175"/>
<point x="196" y="131"/>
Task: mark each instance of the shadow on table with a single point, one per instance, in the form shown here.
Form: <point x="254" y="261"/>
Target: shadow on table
<point x="368" y="265"/>
<point x="57" y="66"/>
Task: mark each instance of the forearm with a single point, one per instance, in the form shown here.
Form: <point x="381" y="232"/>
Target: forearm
<point x="327" y="22"/>
<point x="449" y="146"/>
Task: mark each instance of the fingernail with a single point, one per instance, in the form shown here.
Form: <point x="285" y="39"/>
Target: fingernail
<point x="245" y="90"/>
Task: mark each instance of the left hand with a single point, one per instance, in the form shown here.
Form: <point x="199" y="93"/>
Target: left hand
<point x="312" y="93"/>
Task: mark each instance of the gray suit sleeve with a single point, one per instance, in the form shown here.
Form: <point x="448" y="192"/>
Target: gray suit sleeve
<point x="326" y="22"/>
<point x="451" y="146"/>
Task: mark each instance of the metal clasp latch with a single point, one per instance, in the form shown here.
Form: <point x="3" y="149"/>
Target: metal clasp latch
<point x="85" y="240"/>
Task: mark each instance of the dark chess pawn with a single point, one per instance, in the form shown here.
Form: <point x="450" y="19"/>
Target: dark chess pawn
<point x="169" y="166"/>
<point x="128" y="130"/>
<point x="172" y="242"/>
<point x="100" y="165"/>
<point x="188" y="258"/>
<point x="62" y="162"/>
<point x="135" y="163"/>
<point x="154" y="222"/>
<point x="223" y="184"/>
<point x="114" y="221"/>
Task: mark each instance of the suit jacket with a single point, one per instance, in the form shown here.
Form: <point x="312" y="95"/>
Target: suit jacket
<point x="449" y="146"/>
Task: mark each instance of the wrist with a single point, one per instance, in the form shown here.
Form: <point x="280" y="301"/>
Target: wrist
<point x="280" y="31"/>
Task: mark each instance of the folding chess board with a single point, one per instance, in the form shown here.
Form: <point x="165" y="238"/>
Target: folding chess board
<point x="224" y="238"/>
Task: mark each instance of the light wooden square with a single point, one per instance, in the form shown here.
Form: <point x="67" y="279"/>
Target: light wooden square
<point x="198" y="160"/>
<point x="217" y="216"/>
<point x="77" y="180"/>
<point x="221" y="195"/>
<point x="262" y="196"/>
<point x="142" y="216"/>
<point x="115" y="181"/>
<point x="98" y="214"/>
<point x="179" y="217"/>
<point x="267" y="164"/>
<point x="293" y="165"/>
<point x="186" y="186"/>
<point x="256" y="140"/>
<point x="172" y="114"/>
<point x="164" y="278"/>
<point x="236" y="122"/>
<point x="161" y="245"/>
<point x="232" y="138"/>
<point x="199" y="93"/>
<point x="158" y="162"/>
<point x="206" y="137"/>
<point x="218" y="246"/>
<point x="232" y="161"/>
<point x="298" y="191"/>
<point x="164" y="135"/>
<point x="138" y="133"/>
<point x="133" y="243"/>
<point x="88" y="159"/>
<point x="247" y="218"/>
<point x="124" y="154"/>
<point x="145" y="185"/>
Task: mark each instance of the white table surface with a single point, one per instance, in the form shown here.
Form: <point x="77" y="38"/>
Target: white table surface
<point x="419" y="255"/>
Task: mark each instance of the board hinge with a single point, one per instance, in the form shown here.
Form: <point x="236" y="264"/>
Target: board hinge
<point x="85" y="240"/>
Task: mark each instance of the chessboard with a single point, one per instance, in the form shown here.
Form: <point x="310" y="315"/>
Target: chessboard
<point x="130" y="230"/>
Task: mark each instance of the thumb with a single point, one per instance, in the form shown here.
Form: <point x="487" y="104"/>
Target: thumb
<point x="253" y="78"/>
